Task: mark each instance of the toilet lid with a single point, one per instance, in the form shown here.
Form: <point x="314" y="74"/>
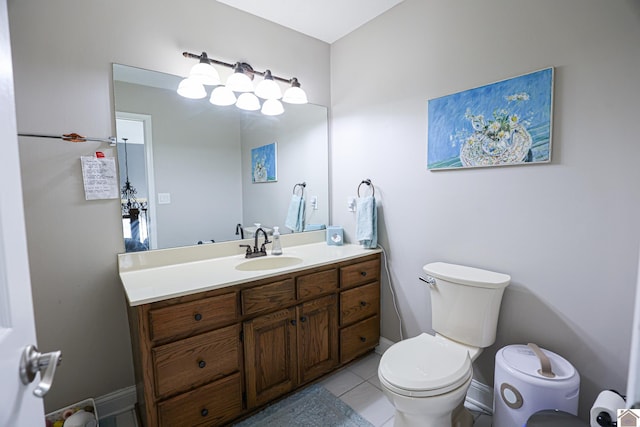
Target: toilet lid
<point x="424" y="366"/>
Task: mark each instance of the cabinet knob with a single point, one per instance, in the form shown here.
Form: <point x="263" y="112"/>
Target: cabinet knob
<point x="363" y="273"/>
<point x="303" y="319"/>
<point x="363" y="303"/>
<point x="198" y="317"/>
<point x="363" y="339"/>
<point x="202" y="364"/>
<point x="293" y="322"/>
<point x="204" y="412"/>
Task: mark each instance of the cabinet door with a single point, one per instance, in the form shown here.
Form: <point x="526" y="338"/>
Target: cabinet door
<point x="317" y="337"/>
<point x="270" y="350"/>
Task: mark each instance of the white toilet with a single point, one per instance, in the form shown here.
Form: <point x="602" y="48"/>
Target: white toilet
<point x="426" y="378"/>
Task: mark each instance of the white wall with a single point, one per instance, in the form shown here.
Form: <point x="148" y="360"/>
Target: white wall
<point x="567" y="232"/>
<point x="62" y="55"/>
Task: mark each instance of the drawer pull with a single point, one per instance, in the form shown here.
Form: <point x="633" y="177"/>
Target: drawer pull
<point x="198" y="317"/>
<point x="363" y="303"/>
<point x="204" y="412"/>
<point x="363" y="339"/>
<point x="363" y="273"/>
<point x="202" y="364"/>
<point x="303" y="319"/>
<point x="293" y="322"/>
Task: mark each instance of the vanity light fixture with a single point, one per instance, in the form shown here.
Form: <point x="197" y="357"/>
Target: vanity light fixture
<point x="204" y="73"/>
<point x="239" y="82"/>
<point x="268" y="88"/>
<point x="295" y="95"/>
<point x="240" y="79"/>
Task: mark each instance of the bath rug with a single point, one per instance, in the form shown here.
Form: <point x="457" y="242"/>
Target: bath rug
<point x="314" y="406"/>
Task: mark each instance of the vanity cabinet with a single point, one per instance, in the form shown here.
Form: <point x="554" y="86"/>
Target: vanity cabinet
<point x="208" y="358"/>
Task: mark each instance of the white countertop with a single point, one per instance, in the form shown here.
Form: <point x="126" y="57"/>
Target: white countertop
<point x="144" y="285"/>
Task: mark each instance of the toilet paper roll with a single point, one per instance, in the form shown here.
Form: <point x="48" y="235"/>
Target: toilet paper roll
<point x="609" y="402"/>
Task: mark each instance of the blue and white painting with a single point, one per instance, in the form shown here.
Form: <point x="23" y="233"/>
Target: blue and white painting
<point x="503" y="123"/>
<point x="263" y="163"/>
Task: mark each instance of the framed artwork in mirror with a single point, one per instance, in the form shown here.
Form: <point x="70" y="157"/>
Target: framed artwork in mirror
<point x="264" y="166"/>
<point x="504" y="123"/>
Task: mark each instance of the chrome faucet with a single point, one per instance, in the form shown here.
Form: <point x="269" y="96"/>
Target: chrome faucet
<point x="257" y="252"/>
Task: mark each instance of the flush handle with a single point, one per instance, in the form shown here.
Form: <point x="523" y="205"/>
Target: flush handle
<point x="32" y="362"/>
<point x="431" y="281"/>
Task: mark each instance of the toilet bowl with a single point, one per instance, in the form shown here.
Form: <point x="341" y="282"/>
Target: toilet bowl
<point x="426" y="377"/>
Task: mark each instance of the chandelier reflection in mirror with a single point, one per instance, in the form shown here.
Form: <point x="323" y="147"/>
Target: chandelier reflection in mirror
<point x="239" y="89"/>
<point x="133" y="210"/>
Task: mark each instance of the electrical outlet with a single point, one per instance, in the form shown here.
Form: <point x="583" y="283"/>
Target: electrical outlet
<point x="314" y="202"/>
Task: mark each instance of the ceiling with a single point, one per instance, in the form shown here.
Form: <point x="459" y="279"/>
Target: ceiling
<point x="326" y="20"/>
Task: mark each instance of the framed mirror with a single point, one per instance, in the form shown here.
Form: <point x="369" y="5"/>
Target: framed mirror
<point x="194" y="167"/>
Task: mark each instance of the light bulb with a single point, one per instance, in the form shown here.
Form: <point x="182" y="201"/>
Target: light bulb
<point x="272" y="107"/>
<point x="268" y="88"/>
<point x="222" y="96"/>
<point x="248" y="101"/>
<point x="191" y="89"/>
<point x="239" y="82"/>
<point x="295" y="95"/>
<point x="205" y="74"/>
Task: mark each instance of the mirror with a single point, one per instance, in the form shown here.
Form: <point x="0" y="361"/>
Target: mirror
<point x="192" y="163"/>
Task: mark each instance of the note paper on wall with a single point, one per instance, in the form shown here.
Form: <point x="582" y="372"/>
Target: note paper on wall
<point x="100" y="178"/>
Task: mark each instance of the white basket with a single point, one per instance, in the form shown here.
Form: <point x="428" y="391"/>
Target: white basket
<point x="88" y="405"/>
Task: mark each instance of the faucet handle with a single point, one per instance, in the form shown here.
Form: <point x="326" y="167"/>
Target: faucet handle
<point x="248" y="251"/>
<point x="263" y="248"/>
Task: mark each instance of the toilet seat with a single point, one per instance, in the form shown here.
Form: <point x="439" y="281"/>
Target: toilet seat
<point x="424" y="366"/>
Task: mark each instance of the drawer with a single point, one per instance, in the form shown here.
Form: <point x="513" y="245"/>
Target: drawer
<point x="211" y="405"/>
<point x="317" y="284"/>
<point x="359" y="338"/>
<point x="192" y="317"/>
<point x="272" y="296"/>
<point x="358" y="274"/>
<point x="197" y="360"/>
<point x="359" y="303"/>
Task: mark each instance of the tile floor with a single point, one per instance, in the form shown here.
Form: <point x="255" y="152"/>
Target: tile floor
<point x="357" y="385"/>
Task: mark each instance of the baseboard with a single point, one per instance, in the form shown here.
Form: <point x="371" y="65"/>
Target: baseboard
<point x="481" y="396"/>
<point x="383" y="345"/>
<point x="116" y="403"/>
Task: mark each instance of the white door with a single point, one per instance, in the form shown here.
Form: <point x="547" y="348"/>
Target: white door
<point x="18" y="404"/>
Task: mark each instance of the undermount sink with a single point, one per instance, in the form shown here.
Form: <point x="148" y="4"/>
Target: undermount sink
<point x="268" y="263"/>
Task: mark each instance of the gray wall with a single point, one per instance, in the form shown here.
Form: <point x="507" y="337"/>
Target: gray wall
<point x="567" y="232"/>
<point x="62" y="57"/>
<point x="196" y="159"/>
<point x="302" y="156"/>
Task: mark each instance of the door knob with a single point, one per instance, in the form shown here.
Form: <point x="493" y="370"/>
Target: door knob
<point x="32" y="362"/>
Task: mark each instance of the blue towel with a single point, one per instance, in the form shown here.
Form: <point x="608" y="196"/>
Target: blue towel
<point x="367" y="222"/>
<point x="295" y="214"/>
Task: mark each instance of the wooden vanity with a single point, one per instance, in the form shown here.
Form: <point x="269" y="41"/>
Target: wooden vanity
<point x="210" y="357"/>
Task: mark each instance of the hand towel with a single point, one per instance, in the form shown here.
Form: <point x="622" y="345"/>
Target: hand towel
<point x="367" y="222"/>
<point x="295" y="214"/>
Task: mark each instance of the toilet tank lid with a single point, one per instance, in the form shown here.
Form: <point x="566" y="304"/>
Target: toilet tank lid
<point x="467" y="275"/>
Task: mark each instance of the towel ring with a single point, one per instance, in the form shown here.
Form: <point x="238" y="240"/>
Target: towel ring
<point x="303" y="185"/>
<point x="368" y="182"/>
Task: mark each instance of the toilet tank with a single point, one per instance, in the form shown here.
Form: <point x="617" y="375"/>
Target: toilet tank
<point x="465" y="302"/>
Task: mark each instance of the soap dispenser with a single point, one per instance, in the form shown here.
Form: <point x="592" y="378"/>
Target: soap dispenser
<point x="276" y="245"/>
